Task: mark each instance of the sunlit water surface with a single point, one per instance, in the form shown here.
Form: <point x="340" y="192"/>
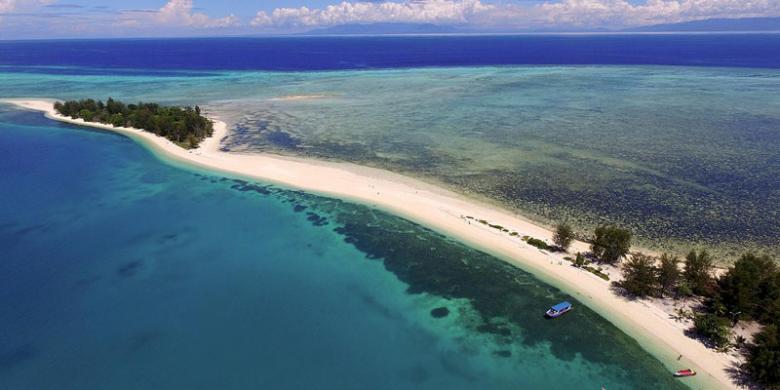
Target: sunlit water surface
<point x="120" y="271"/>
<point x="683" y="156"/>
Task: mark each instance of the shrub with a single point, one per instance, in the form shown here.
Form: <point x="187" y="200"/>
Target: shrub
<point x="538" y="243"/>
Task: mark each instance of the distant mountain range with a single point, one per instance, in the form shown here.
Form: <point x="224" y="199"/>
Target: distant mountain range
<point x="384" y="28"/>
<point x="708" y="25"/>
<point x="714" y="25"/>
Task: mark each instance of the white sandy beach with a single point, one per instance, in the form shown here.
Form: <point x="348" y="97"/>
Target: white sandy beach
<point x="445" y="211"/>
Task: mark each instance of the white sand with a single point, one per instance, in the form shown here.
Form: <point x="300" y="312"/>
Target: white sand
<point x="444" y="211"/>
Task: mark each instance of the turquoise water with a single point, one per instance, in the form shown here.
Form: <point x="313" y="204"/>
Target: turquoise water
<point x="119" y="271"/>
<point x="684" y="156"/>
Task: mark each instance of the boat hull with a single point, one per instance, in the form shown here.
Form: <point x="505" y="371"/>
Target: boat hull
<point x="684" y="373"/>
<point x="556" y="314"/>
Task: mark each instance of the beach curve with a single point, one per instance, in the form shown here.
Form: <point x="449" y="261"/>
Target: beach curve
<point x="446" y="212"/>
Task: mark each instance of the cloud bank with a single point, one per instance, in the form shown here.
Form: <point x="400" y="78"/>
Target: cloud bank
<point x="8" y="6"/>
<point x="430" y="11"/>
<point x="474" y="13"/>
<point x="53" y="18"/>
<point x="175" y="13"/>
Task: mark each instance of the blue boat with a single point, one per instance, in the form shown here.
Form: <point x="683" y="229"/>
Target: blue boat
<point x="558" y="310"/>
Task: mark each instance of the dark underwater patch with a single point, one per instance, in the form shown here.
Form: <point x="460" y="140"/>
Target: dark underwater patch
<point x="495" y="329"/>
<point x="282" y="139"/>
<point x="503" y="353"/>
<point x="508" y="303"/>
<point x="244" y="186"/>
<point x="165" y="238"/>
<point x="372" y="303"/>
<point x="316" y="219"/>
<point x="129" y="269"/>
<point x="504" y="297"/>
<point x="440" y="312"/>
<point x="142" y="339"/>
<point x="29" y="230"/>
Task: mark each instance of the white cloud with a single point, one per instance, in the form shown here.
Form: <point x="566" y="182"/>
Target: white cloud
<point x="180" y="12"/>
<point x="562" y="13"/>
<point x="595" y="13"/>
<point x="176" y="13"/>
<point x="428" y="11"/>
<point x="7" y="6"/>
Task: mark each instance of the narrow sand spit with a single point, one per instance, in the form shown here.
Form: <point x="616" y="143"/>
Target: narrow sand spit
<point x="447" y="212"/>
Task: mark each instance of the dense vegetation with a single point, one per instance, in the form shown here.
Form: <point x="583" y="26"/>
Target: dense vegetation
<point x="184" y="126"/>
<point x="763" y="363"/>
<point x="749" y="290"/>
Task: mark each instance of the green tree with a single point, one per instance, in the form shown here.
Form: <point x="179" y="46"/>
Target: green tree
<point x="668" y="273"/>
<point x="610" y="243"/>
<point x="750" y="287"/>
<point x="763" y="358"/>
<point x="580" y="260"/>
<point x="184" y="126"/>
<point x="117" y="120"/>
<point x="639" y="275"/>
<point x="698" y="272"/>
<point x="713" y="327"/>
<point x="86" y="114"/>
<point x="563" y="237"/>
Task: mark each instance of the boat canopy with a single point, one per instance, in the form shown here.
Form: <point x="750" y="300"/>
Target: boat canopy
<point x="561" y="306"/>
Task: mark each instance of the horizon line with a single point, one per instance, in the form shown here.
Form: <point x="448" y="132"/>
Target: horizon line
<point x="411" y="35"/>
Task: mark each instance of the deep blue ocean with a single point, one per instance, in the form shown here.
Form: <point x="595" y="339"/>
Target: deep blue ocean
<point x="331" y="53"/>
<point x="119" y="270"/>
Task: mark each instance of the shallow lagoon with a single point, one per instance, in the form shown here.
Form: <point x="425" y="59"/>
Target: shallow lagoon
<point x="120" y="271"/>
<point x="684" y="156"/>
<point x="680" y="155"/>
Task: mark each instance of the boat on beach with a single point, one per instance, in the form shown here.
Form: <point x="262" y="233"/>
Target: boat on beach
<point x="558" y="310"/>
<point x="684" y="373"/>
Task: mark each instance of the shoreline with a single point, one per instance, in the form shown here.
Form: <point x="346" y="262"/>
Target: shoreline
<point x="445" y="212"/>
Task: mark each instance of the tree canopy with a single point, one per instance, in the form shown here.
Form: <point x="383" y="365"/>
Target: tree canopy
<point x="751" y="287"/>
<point x="763" y="358"/>
<point x="713" y="327"/>
<point x="611" y="243"/>
<point x="639" y="275"/>
<point x="668" y="273"/>
<point x="184" y="126"/>
<point x="563" y="237"/>
<point x="698" y="272"/>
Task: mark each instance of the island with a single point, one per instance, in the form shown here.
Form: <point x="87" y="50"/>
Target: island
<point x="184" y="126"/>
<point x="720" y="323"/>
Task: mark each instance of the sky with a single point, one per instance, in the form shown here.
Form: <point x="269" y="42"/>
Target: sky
<point x="22" y="19"/>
